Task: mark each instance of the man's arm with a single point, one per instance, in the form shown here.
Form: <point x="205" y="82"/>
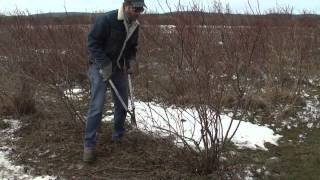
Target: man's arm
<point x="97" y="38"/>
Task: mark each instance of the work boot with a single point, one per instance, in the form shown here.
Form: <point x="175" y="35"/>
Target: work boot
<point x="89" y="155"/>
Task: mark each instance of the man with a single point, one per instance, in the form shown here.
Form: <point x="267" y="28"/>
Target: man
<point x="112" y="45"/>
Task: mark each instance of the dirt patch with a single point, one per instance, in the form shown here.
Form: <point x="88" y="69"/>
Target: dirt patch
<point x="49" y="146"/>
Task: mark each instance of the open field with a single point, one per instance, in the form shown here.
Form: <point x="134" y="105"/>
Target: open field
<point x="254" y="69"/>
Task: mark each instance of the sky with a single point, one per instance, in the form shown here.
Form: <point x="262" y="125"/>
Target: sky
<point x="239" y="6"/>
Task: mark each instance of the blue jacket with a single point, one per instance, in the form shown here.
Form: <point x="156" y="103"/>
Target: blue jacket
<point x="106" y="39"/>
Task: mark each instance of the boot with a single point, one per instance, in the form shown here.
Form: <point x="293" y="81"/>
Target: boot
<point x="89" y="155"/>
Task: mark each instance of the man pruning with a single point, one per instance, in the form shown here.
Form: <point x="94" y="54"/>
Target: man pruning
<point x="112" y="45"/>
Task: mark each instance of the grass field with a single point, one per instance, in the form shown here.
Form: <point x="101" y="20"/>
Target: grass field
<point x="256" y="69"/>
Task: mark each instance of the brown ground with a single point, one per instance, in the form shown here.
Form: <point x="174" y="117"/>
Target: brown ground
<point x="53" y="147"/>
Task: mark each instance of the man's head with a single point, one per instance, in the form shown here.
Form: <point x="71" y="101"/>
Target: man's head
<point x="133" y="8"/>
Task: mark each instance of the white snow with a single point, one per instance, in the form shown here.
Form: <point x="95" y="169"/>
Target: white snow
<point x="74" y="94"/>
<point x="150" y="117"/>
<point x="153" y="117"/>
<point x="310" y="125"/>
<point x="254" y="136"/>
<point x="311" y="112"/>
<point x="9" y="171"/>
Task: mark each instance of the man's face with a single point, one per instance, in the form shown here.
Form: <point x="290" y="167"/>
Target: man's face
<point x="133" y="12"/>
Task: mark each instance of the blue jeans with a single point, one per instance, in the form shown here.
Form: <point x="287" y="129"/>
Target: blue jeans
<point x="98" y="94"/>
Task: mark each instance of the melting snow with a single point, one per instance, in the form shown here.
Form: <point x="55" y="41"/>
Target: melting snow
<point x="152" y="116"/>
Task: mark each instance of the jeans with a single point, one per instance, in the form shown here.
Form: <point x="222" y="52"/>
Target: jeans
<point x="98" y="94"/>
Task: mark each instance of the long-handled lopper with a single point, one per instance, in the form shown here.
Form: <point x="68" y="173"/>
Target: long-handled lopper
<point x="132" y="112"/>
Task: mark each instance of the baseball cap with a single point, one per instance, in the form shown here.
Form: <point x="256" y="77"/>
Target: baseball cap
<point x="136" y="3"/>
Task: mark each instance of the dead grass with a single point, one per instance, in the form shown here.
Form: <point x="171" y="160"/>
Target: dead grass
<point x="57" y="150"/>
<point x="238" y="61"/>
<point x="296" y="157"/>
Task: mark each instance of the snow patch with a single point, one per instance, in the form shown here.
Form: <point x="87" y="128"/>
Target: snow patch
<point x="311" y="112"/>
<point x="75" y="94"/>
<point x="152" y="117"/>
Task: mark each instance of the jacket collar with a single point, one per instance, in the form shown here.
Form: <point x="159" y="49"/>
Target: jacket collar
<point x="121" y="15"/>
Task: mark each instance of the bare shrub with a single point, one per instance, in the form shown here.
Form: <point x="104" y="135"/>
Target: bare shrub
<point x="243" y="67"/>
<point x="51" y="60"/>
<point x="192" y="70"/>
<point x="17" y="95"/>
<point x="199" y="68"/>
<point x="24" y="100"/>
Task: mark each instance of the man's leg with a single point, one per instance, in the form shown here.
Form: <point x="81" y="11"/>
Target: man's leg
<point x="94" y="116"/>
<point x="120" y="81"/>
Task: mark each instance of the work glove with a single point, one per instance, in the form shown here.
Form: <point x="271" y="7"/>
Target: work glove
<point x="130" y="67"/>
<point x="106" y="72"/>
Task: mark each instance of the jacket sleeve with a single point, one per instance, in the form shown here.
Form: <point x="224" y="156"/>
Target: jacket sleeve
<point x="97" y="38"/>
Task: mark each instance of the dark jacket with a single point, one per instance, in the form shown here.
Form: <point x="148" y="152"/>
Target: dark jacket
<point x="105" y="41"/>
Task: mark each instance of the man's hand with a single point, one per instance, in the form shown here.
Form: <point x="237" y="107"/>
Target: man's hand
<point x="106" y="72"/>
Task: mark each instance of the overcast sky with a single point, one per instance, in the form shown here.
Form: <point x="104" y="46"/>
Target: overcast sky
<point x="37" y="6"/>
